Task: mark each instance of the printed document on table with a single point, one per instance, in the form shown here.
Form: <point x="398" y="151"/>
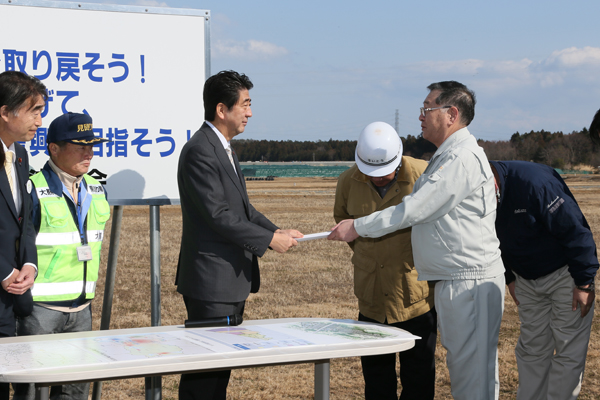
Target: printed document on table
<point x="126" y="348"/>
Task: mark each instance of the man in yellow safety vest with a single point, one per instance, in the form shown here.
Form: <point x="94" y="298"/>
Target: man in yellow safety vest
<point x="69" y="213"/>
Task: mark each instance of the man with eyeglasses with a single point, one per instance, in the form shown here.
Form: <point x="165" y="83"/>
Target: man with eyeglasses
<point x="452" y="211"/>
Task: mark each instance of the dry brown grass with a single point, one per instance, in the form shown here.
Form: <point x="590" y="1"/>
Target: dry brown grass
<point x="312" y="280"/>
<point x="585" y="167"/>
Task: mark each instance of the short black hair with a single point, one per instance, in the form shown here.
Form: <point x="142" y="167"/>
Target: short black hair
<point x="16" y="88"/>
<point x="457" y="95"/>
<point x="595" y="128"/>
<point x="225" y="88"/>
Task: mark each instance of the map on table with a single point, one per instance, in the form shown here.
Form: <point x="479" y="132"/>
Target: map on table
<point x="197" y="341"/>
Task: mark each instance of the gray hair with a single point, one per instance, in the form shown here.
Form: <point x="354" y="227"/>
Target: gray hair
<point x="456" y="94"/>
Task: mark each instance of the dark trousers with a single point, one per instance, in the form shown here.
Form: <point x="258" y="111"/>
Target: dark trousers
<point x="417" y="365"/>
<point x="207" y="385"/>
<point x="7" y="329"/>
<point x="44" y="321"/>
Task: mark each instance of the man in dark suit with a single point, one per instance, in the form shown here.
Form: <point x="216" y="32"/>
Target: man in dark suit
<point x="223" y="234"/>
<point x="595" y="128"/>
<point x="22" y="100"/>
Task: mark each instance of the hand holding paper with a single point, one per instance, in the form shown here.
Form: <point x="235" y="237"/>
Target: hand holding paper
<point x="344" y="231"/>
<point x="284" y="239"/>
<point x="313" y="236"/>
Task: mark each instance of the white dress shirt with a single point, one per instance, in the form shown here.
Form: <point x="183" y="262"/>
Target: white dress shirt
<point x="16" y="193"/>
<point x="224" y="142"/>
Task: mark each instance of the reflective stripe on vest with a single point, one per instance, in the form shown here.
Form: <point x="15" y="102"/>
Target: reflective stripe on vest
<point x="73" y="288"/>
<point x="60" y="274"/>
<point x="58" y="239"/>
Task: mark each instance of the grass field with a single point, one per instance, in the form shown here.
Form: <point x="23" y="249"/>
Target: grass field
<point x="313" y="279"/>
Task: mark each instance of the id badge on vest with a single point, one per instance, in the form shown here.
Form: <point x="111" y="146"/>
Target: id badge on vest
<point x="84" y="253"/>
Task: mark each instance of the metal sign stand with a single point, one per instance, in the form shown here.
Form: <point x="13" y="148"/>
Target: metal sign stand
<point x="153" y="384"/>
<point x="109" y="285"/>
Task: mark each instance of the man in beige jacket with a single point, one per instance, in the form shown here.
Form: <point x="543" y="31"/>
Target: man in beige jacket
<point x="385" y="279"/>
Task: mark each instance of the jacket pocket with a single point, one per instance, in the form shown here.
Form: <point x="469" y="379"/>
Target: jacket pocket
<point x="434" y="177"/>
<point x="417" y="290"/>
<point x="439" y="229"/>
<point x="57" y="213"/>
<point x="364" y="277"/>
<point x="101" y="211"/>
<point x="52" y="264"/>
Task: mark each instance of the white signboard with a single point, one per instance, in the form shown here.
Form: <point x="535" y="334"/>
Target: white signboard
<point x="138" y="71"/>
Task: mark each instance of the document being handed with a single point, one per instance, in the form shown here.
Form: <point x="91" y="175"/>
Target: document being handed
<point x="313" y="236"/>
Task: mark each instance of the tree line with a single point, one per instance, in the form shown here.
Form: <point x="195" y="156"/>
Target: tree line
<point x="288" y="150"/>
<point x="552" y="148"/>
<point x="556" y="149"/>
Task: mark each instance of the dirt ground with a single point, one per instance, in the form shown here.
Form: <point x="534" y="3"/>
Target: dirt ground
<point x="311" y="280"/>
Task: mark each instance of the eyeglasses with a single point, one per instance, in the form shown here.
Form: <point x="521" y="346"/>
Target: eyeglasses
<point x="424" y="110"/>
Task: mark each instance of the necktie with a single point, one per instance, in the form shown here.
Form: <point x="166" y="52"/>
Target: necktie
<point x="230" y="155"/>
<point x="8" y="166"/>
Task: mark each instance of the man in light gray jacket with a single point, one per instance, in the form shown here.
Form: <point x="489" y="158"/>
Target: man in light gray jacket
<point x="452" y="211"/>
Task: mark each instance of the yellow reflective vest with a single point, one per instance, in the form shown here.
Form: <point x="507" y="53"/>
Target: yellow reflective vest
<point x="61" y="276"/>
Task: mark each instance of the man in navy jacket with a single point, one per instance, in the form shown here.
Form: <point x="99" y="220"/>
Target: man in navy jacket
<point x="550" y="258"/>
<point x="595" y="128"/>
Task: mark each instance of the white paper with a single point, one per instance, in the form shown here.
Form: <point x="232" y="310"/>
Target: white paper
<point x="313" y="236"/>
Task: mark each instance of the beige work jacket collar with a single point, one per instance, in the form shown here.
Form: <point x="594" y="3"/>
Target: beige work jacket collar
<point x="404" y="174"/>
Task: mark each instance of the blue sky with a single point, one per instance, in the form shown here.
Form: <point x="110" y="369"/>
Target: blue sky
<point x="325" y="69"/>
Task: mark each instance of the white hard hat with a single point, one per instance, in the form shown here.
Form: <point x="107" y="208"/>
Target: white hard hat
<point x="379" y="150"/>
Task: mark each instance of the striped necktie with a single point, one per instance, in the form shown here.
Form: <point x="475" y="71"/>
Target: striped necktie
<point x="8" y="166"/>
<point x="230" y="155"/>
